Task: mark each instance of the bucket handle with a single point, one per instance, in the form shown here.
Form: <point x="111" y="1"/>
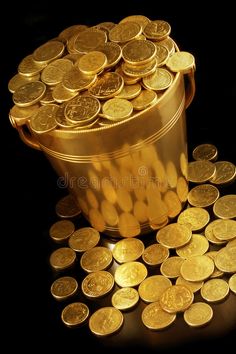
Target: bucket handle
<point x="190" y="88"/>
<point x="27" y="137"/>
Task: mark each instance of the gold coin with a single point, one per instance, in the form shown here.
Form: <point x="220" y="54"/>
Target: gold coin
<point x="173" y="203"/>
<point x="217" y="273"/>
<point x="195" y="218"/>
<point x="182" y="189"/>
<point x="130" y="274"/>
<point x="130" y="91"/>
<point x="160" y="80"/>
<point x="225" y="259"/>
<point x="225" y="172"/>
<point x="198" y="314"/>
<point x="19" y="80"/>
<point x="232" y="283"/>
<point x="182" y="62"/>
<point x="28" y="67"/>
<point x="75" y="314"/>
<point x="107" y="86"/>
<point x="62" y="258"/>
<point x="61" y="94"/>
<point x="194" y="286"/>
<point x="174" y="235"/>
<point x="97" y="284"/>
<point x="95" y="259"/>
<point x="203" y="195"/>
<point x="68" y="32"/>
<point x="210" y="234"/>
<point x="89" y="40"/>
<point x="20" y="115"/>
<point x="67" y="208"/>
<point x="105" y="26"/>
<point x="128" y="225"/>
<point x="225" y="207"/>
<point x="128" y="80"/>
<point x="61" y="230"/>
<point x="139" y="71"/>
<point x="197" y="246"/>
<point x="177" y="298"/>
<point x="75" y="80"/>
<point x="170" y="268"/>
<point x="197" y="268"/>
<point x="157" y="30"/>
<point x="125" y="298"/>
<point x="106" y="321"/>
<point x="82" y="109"/>
<point x="140" y="211"/>
<point x="205" y="152"/>
<point x="117" y="109"/>
<point x="54" y="72"/>
<point x="138" y="52"/>
<point x="124" y="32"/>
<point x="201" y="171"/>
<point x="155" y="318"/>
<point x="155" y="254"/>
<point x="109" y="213"/>
<point x="145" y="99"/>
<point x="225" y="230"/>
<point x="215" y="290"/>
<point x="162" y="54"/>
<point x="43" y="121"/>
<point x="48" y="51"/>
<point x="92" y="62"/>
<point x="29" y="93"/>
<point x="151" y="288"/>
<point x="63" y="288"/>
<point x="96" y="219"/>
<point x="169" y="44"/>
<point x="47" y="97"/>
<point x="128" y="250"/>
<point x="140" y="19"/>
<point x="113" y="53"/>
<point x="84" y="239"/>
<point x="231" y="243"/>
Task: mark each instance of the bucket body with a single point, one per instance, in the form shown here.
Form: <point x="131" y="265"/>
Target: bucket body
<point x="128" y="178"/>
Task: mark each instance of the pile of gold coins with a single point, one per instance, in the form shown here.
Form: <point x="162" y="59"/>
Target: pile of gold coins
<point x="91" y="77"/>
<point x="194" y="253"/>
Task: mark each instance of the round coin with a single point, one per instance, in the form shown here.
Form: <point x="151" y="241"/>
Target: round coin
<point x="44" y="120"/>
<point x="194" y="286"/>
<point x="62" y="258"/>
<point x="232" y="283"/>
<point x="203" y="195"/>
<point x="138" y="52"/>
<point x="225" y="230"/>
<point x="75" y="314"/>
<point x="128" y="250"/>
<point x="67" y="208"/>
<point x="130" y="274"/>
<point x="155" y="318"/>
<point x="92" y="62"/>
<point x="201" y="171"/>
<point x="95" y="259"/>
<point x="215" y="290"/>
<point x="170" y="268"/>
<point x="84" y="239"/>
<point x="82" y="109"/>
<point x="197" y="268"/>
<point x="225" y="172"/>
<point x="151" y="288"/>
<point x="48" y="51"/>
<point x="125" y="298"/>
<point x="174" y="235"/>
<point x="105" y="321"/>
<point x="205" y="152"/>
<point x="225" y="259"/>
<point x="225" y="207"/>
<point x="107" y="85"/>
<point x="198" y="314"/>
<point x="181" y="62"/>
<point x="117" y="109"/>
<point x="63" y="288"/>
<point x="195" y="218"/>
<point x="197" y="246"/>
<point x="177" y="298"/>
<point x="97" y="284"/>
<point x="124" y="32"/>
<point x="155" y="254"/>
<point x="29" y="93"/>
<point x="61" y="230"/>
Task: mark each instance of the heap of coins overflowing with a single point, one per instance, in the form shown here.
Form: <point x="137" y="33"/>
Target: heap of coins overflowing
<point x="91" y="77"/>
<point x="196" y="253"/>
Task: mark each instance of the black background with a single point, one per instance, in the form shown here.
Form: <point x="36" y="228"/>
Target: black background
<point x="29" y="187"/>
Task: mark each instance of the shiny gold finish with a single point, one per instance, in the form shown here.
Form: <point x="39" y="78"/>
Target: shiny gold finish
<point x="201" y="171"/>
<point x="197" y="246"/>
<point x="75" y="314"/>
<point x="177" y="298"/>
<point x="198" y="314"/>
<point x="174" y="235"/>
<point x="63" y="288"/>
<point x="155" y="318"/>
<point x="66" y="207"/>
<point x="215" y="290"/>
<point x="29" y="94"/>
<point x="197" y="268"/>
<point x="225" y="207"/>
<point x="124" y="32"/>
<point x="29" y="68"/>
<point x="43" y="120"/>
<point x="116" y="109"/>
<point x="89" y="40"/>
<point x="19" y="80"/>
<point x="130" y="91"/>
<point x="128" y="225"/>
<point x="152" y="288"/>
<point x="95" y="259"/>
<point x="181" y="61"/>
<point x="48" y="51"/>
<point x="203" y="195"/>
<point x="105" y="321"/>
<point x="130" y="274"/>
<point x="195" y="218"/>
<point x="205" y="152"/>
<point x="160" y="80"/>
<point x="217" y="273"/>
<point x="128" y="250"/>
<point x="92" y="62"/>
<point x="225" y="172"/>
<point x="62" y="258"/>
<point x="194" y="286"/>
<point x="54" y="72"/>
<point x="97" y="284"/>
<point x="225" y="230"/>
<point x="155" y="254"/>
<point x="84" y="239"/>
<point x="125" y="298"/>
<point x="209" y="233"/>
<point x="61" y="230"/>
<point x="232" y="283"/>
<point x="138" y="52"/>
<point x="108" y="85"/>
<point x="225" y="259"/>
<point x="170" y="268"/>
<point x="157" y="30"/>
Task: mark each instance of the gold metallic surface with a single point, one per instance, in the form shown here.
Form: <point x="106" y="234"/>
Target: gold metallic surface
<point x="198" y="314"/>
<point x="97" y="284"/>
<point x="155" y="318"/>
<point x="197" y="268"/>
<point x="225" y="259"/>
<point x="225" y="173"/>
<point x="174" y="235"/>
<point x="130" y="274"/>
<point x="62" y="258"/>
<point x="128" y="250"/>
<point x="155" y="254"/>
<point x="195" y="218"/>
<point x="125" y="298"/>
<point x="232" y="283"/>
<point x="124" y="32"/>
<point x="225" y="207"/>
<point x="203" y="195"/>
<point x="95" y="259"/>
<point x="19" y="80"/>
<point x="84" y="239"/>
<point x="215" y="290"/>
<point x="181" y="61"/>
<point x="197" y="246"/>
<point x="105" y="321"/>
<point x="216" y="273"/>
<point x="225" y="230"/>
<point x="160" y="80"/>
<point x="92" y="62"/>
<point x="138" y="52"/>
<point x="157" y="30"/>
<point x="205" y="152"/>
<point x="75" y="314"/>
<point x="63" y="288"/>
<point x="48" y="51"/>
<point x="61" y="230"/>
<point x="201" y="171"/>
<point x="170" y="267"/>
<point x="29" y="94"/>
<point x="67" y="208"/>
<point x="209" y="233"/>
<point x="152" y="288"/>
<point x="117" y="109"/>
<point x="177" y="298"/>
<point x="194" y="286"/>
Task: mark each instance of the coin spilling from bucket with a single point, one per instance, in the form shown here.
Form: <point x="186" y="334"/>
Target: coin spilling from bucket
<point x="186" y="267"/>
<point x="89" y="77"/>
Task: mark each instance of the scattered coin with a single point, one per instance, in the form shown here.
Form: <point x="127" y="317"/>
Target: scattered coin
<point x="198" y="314"/>
<point x="75" y="314"/>
<point x="64" y="287"/>
<point x="125" y="298"/>
<point x="105" y="321"/>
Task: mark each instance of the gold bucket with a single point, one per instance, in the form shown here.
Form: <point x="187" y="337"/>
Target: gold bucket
<point x="130" y="177"/>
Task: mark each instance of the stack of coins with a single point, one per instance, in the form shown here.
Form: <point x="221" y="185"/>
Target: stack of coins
<point x="91" y="77"/>
<point x="186" y="267"/>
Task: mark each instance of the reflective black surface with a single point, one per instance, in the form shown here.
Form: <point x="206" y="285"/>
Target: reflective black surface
<point x="31" y="189"/>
